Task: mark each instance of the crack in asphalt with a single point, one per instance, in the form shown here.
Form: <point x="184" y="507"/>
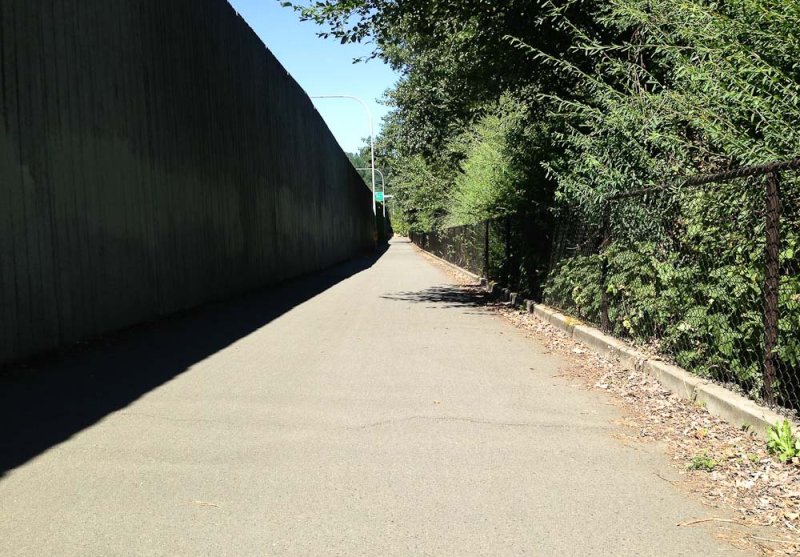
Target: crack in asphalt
<point x="457" y="419"/>
<point x="171" y="418"/>
<point x="467" y="420"/>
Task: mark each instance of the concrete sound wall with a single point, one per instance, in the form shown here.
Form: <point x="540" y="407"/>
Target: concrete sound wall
<point x="154" y="156"/>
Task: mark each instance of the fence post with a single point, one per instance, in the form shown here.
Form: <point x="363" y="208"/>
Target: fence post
<point x="486" y="251"/>
<point x="605" y="324"/>
<point x="507" y="262"/>
<point x="771" y="284"/>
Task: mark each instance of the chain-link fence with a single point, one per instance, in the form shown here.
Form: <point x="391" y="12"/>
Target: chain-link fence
<point x="705" y="273"/>
<point x="464" y="246"/>
<point x="512" y="250"/>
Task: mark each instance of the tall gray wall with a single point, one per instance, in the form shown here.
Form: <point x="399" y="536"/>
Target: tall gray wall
<point x="154" y="156"/>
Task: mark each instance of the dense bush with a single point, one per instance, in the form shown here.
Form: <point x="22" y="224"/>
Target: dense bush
<point x="694" y="291"/>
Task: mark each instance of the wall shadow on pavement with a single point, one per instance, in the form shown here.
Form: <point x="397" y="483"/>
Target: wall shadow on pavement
<point x="47" y="401"/>
<point x="470" y="296"/>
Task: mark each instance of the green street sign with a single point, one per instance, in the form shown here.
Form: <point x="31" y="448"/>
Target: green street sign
<point x="379" y="196"/>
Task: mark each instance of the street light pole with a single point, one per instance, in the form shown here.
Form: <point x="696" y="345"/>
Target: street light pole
<point x="383" y="187"/>
<point x="371" y="136"/>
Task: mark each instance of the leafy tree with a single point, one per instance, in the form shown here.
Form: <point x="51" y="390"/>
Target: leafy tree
<point x="456" y="60"/>
<point x="487" y="185"/>
<point x="359" y="159"/>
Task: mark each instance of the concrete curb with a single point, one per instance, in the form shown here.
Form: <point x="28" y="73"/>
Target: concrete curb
<point x="556" y="319"/>
<point x="718" y="400"/>
<point x="606" y="344"/>
<point x="676" y="379"/>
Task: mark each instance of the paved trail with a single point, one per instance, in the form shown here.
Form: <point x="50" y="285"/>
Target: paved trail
<point x="385" y="415"/>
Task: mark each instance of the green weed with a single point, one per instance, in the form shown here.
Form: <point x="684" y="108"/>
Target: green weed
<point x="702" y="462"/>
<point x="781" y="441"/>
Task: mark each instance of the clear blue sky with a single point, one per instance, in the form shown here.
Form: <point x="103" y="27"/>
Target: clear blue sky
<point x="322" y="67"/>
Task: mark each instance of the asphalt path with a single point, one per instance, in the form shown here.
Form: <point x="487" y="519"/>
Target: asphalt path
<point x="373" y="409"/>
